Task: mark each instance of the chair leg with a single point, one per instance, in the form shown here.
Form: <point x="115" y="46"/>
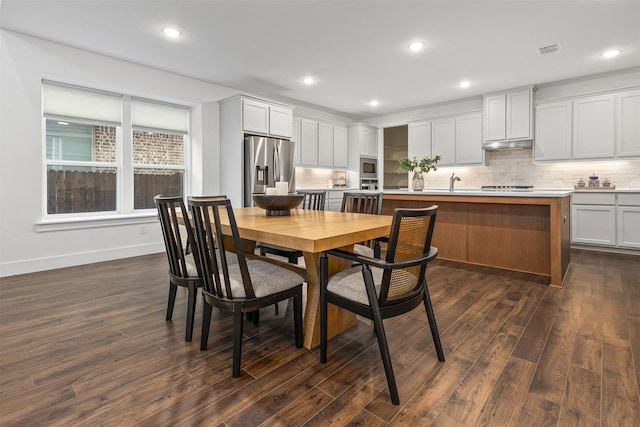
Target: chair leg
<point x="382" y="338"/>
<point x="263" y="252"/>
<point x="255" y="317"/>
<point x="432" y="323"/>
<point x="297" y="317"/>
<point x="206" y="322"/>
<point x="293" y="259"/>
<point x="191" y="310"/>
<point x="173" y="289"/>
<point x="237" y="340"/>
<point x="376" y="249"/>
<point x="323" y="307"/>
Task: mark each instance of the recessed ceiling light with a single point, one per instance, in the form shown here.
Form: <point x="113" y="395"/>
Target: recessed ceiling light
<point x="171" y="32"/>
<point x="308" y="80"/>
<point x="416" y="46"/>
<point x="373" y="103"/>
<point x="465" y="84"/>
<point x="611" y="53"/>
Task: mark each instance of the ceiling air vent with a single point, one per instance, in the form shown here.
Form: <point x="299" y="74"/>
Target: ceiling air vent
<point x="548" y="49"/>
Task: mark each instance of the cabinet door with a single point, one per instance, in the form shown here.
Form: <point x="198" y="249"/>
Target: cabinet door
<point x="325" y="144"/>
<point x="255" y="116"/>
<point x="628" y="123"/>
<point x="373" y="142"/>
<point x="419" y="140"/>
<point x="340" y="147"/>
<point x="495" y="117"/>
<point x="443" y="134"/>
<point x="334" y="205"/>
<point x="469" y="140"/>
<point x="593" y="224"/>
<point x="280" y="121"/>
<point x="295" y="137"/>
<point x="518" y="119"/>
<point x="553" y="131"/>
<point x="593" y="127"/>
<point x="308" y="142"/>
<point x="629" y="227"/>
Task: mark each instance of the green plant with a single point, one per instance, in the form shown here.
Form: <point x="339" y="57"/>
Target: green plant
<point x="425" y="164"/>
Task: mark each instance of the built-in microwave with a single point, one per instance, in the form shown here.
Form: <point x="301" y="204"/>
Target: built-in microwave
<point x="368" y="167"/>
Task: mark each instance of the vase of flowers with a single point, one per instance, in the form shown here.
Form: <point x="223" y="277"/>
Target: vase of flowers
<point x="418" y="167"/>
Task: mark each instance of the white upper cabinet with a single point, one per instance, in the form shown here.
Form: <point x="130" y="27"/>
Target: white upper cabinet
<point x="255" y="116"/>
<point x="553" y="131"/>
<point x="594" y="127"/>
<point x="469" y="139"/>
<point x="320" y="144"/>
<point x="325" y="144"/>
<point x="419" y="139"/>
<point x="368" y="141"/>
<point x="628" y="123"/>
<point x="340" y="146"/>
<point x="295" y="137"/>
<point x="308" y="142"/>
<point x="495" y="108"/>
<point x="443" y="140"/>
<point x="508" y="115"/>
<point x="280" y="121"/>
<point x="265" y="118"/>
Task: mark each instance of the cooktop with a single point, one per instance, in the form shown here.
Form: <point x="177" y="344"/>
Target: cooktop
<point x="507" y="188"/>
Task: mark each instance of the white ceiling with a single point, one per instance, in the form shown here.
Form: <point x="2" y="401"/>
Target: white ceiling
<point x="356" y="50"/>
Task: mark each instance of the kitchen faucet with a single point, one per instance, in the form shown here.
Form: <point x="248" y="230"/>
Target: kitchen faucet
<point x="452" y="180"/>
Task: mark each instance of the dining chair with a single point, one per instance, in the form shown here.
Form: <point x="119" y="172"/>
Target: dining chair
<point x="245" y="286"/>
<point x="379" y="289"/>
<point x="312" y="199"/>
<point x="368" y="203"/>
<point x="183" y="269"/>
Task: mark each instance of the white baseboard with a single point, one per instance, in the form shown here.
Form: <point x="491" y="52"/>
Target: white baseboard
<point x="69" y="260"/>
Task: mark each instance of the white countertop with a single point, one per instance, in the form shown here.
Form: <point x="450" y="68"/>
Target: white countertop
<point x="478" y="192"/>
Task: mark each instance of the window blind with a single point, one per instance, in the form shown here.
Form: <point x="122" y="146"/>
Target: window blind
<point x="153" y="115"/>
<point x="60" y="100"/>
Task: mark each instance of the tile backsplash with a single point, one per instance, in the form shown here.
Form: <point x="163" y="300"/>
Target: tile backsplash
<point x="310" y="178"/>
<point x="516" y="167"/>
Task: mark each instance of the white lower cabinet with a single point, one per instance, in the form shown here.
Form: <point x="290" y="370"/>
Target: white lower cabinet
<point x="334" y="200"/>
<point x="629" y="226"/>
<point x="608" y="220"/>
<point x="594" y="225"/>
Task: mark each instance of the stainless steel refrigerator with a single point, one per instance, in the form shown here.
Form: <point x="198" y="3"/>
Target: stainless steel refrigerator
<point x="267" y="161"/>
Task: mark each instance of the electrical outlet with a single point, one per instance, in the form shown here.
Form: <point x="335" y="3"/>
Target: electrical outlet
<point x="143" y="229"/>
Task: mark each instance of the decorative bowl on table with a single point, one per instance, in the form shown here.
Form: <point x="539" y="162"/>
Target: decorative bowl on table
<point x="277" y="204"/>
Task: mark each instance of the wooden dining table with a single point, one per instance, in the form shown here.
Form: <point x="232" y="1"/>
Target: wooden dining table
<point x="313" y="232"/>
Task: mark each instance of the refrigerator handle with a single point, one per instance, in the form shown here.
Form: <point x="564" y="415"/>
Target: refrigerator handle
<point x="276" y="164"/>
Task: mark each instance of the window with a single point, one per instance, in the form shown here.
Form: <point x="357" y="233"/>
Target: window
<point x="92" y="157"/>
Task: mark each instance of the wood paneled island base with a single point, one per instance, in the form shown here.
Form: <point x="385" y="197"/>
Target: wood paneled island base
<point x="515" y="232"/>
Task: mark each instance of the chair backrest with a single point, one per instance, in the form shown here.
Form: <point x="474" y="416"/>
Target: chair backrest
<point x="208" y="216"/>
<point x="313" y="200"/>
<point x="410" y="238"/>
<point x="168" y="208"/>
<point x="362" y="202"/>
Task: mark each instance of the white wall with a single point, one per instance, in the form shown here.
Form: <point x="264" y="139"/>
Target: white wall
<point x="25" y="62"/>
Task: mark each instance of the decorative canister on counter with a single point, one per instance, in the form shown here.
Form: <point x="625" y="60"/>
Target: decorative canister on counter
<point x="593" y="181"/>
<point x="581" y="183"/>
<point x="606" y="183"/>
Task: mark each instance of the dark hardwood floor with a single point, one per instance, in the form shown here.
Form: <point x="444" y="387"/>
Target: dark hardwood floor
<point x="89" y="346"/>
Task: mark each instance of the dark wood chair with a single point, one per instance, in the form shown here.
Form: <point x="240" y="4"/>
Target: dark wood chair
<point x="314" y="200"/>
<point x="368" y="203"/>
<point x="183" y="270"/>
<point x="243" y="287"/>
<point x="378" y="289"/>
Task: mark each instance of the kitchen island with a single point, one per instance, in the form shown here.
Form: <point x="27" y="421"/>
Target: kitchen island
<point x="520" y="231"/>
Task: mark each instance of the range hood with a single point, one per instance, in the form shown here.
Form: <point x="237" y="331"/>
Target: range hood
<point x="507" y="145"/>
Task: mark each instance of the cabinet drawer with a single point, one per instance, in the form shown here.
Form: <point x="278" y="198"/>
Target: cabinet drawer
<point x="629" y="199"/>
<point x="593" y="199"/>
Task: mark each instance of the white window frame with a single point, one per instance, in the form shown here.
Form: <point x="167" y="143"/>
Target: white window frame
<point x="125" y="212"/>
